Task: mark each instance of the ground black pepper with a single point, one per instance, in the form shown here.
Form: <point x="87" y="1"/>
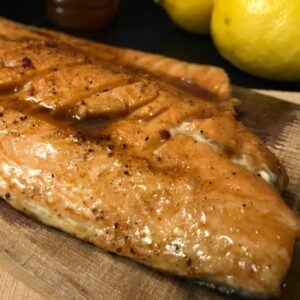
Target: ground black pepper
<point x="27" y="63"/>
<point x="164" y="135"/>
<point x="188" y="261"/>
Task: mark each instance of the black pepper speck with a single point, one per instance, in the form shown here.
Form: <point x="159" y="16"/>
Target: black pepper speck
<point x="27" y="63"/>
<point x="188" y="261"/>
<point x="164" y="135"/>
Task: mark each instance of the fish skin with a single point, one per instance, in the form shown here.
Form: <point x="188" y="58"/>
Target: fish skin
<point x="127" y="184"/>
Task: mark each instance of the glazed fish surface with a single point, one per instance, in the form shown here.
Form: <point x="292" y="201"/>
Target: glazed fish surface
<point x="107" y="144"/>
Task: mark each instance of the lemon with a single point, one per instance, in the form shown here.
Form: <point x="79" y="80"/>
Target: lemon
<point x="191" y="15"/>
<point x="261" y="37"/>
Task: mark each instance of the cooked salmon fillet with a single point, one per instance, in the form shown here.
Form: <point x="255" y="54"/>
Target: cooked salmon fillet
<point x="135" y="164"/>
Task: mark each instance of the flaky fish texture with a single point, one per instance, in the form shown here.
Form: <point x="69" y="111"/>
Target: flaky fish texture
<point x="113" y="146"/>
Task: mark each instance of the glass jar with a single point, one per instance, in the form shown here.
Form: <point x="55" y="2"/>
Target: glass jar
<point x="81" y="14"/>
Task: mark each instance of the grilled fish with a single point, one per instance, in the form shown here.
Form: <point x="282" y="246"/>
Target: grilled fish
<point x="138" y="166"/>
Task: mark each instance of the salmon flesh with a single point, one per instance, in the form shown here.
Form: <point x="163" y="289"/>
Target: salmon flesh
<point x="142" y="156"/>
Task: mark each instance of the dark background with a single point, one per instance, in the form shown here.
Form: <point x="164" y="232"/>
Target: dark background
<point x="143" y="25"/>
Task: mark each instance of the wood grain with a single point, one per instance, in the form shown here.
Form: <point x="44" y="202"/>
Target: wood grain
<point x="283" y="95"/>
<point x="11" y="288"/>
<point x="59" y="266"/>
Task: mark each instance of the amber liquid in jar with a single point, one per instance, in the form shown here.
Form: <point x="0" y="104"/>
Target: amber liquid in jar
<point x="81" y="14"/>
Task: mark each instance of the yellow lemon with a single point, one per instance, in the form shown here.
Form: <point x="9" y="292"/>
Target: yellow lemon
<point x="261" y="37"/>
<point x="191" y="15"/>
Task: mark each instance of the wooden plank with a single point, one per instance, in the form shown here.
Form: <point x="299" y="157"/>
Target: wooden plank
<point x="283" y="95"/>
<point x="293" y="97"/>
<point x="61" y="267"/>
<point x="11" y="288"/>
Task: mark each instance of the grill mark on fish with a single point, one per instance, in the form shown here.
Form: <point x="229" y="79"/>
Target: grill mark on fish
<point x="129" y="102"/>
<point x="155" y="115"/>
<point x="15" y="90"/>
